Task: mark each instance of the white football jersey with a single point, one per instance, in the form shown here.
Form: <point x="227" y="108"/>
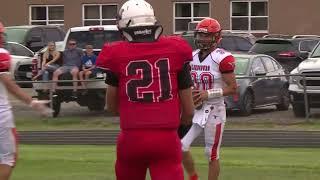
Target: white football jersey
<point x="5" y="107"/>
<point x="208" y="73"/>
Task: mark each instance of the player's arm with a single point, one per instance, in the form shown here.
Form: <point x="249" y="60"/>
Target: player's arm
<point x="15" y="90"/>
<point x="106" y="61"/>
<point x="112" y="100"/>
<point x="185" y="94"/>
<point x="230" y="84"/>
<point x="227" y="67"/>
<point x="56" y="56"/>
<point x="5" y="78"/>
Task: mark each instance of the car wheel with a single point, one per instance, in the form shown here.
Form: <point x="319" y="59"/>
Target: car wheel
<point x="42" y="95"/>
<point x="95" y="102"/>
<point x="56" y="106"/>
<point x="299" y="109"/>
<point x="246" y="104"/>
<point x="284" y="101"/>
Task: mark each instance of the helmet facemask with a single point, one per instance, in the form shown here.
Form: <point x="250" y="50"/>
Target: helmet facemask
<point x="205" y="41"/>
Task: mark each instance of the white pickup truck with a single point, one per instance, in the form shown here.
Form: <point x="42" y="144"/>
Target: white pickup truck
<point x="311" y="69"/>
<point x="94" y="98"/>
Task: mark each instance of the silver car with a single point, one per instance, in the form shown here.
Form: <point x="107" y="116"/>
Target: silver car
<point x="21" y="61"/>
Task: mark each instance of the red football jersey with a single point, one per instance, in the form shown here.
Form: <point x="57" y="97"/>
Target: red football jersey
<point x="4" y="60"/>
<point x="148" y="82"/>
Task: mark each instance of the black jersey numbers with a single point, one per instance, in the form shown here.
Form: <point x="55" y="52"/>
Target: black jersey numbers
<point x="144" y="75"/>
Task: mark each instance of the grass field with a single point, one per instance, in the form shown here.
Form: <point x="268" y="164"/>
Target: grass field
<point x="107" y="122"/>
<point x="96" y="163"/>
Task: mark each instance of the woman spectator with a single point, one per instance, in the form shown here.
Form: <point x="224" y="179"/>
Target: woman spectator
<point x="49" y="62"/>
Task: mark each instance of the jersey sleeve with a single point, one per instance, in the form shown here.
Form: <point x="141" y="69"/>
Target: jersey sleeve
<point x="4" y="61"/>
<point x="106" y="61"/>
<point x="184" y="77"/>
<point x="186" y="51"/>
<point x="183" y="49"/>
<point x="94" y="60"/>
<point x="83" y="59"/>
<point x="227" y="65"/>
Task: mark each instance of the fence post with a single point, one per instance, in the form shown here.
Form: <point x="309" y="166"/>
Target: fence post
<point x="306" y="104"/>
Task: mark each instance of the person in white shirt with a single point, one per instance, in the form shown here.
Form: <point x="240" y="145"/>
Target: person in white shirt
<point x="212" y="73"/>
<point x="8" y="143"/>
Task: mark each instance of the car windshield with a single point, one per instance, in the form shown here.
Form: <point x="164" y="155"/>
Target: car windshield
<point x="16" y="34"/>
<point x="241" y="65"/>
<point x="306" y="45"/>
<point x="316" y="52"/>
<point x="271" y="46"/>
<point x="95" y="38"/>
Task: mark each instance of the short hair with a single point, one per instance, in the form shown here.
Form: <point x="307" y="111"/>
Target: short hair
<point x="72" y="40"/>
<point x="51" y="42"/>
<point x="89" y="46"/>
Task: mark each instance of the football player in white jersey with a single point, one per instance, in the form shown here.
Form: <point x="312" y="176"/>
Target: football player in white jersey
<point x="212" y="71"/>
<point x="8" y="143"/>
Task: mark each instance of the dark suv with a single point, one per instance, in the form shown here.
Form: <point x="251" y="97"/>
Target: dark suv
<point x="230" y="41"/>
<point x="34" y="37"/>
<point x="289" y="51"/>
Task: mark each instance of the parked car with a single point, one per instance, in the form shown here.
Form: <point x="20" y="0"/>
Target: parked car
<point x="94" y="99"/>
<point x="230" y="41"/>
<point x="34" y="37"/>
<point x="311" y="69"/>
<point x="21" y="61"/>
<point x="289" y="51"/>
<point x="258" y="91"/>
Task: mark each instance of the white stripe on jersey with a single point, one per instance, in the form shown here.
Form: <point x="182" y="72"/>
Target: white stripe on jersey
<point x="2" y="50"/>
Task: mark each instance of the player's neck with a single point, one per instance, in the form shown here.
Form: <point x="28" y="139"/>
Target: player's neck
<point x="204" y="53"/>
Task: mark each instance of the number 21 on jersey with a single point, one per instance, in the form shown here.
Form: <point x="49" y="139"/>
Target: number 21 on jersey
<point x="139" y="89"/>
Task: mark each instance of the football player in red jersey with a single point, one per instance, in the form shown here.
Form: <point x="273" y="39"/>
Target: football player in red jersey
<point x="212" y="71"/>
<point x="149" y="85"/>
<point x="8" y="143"/>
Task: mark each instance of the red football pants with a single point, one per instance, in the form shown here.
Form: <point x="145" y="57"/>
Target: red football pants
<point x="156" y="150"/>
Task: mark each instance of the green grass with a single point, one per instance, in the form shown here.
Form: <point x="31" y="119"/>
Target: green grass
<point x="96" y="163"/>
<point x="109" y="122"/>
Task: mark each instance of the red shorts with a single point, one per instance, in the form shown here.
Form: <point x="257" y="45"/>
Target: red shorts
<point x="156" y="150"/>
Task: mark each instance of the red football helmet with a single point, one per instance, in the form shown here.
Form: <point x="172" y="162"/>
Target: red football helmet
<point x="207" y="34"/>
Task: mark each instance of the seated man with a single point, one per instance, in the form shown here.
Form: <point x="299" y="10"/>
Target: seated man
<point x="71" y="63"/>
<point x="88" y="64"/>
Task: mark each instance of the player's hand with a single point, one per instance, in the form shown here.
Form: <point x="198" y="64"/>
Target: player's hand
<point x="41" y="107"/>
<point x="199" y="96"/>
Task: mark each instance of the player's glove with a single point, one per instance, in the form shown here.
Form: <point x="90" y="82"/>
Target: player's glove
<point x="41" y="107"/>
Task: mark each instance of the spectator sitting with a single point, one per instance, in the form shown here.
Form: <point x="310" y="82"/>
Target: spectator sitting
<point x="88" y="65"/>
<point x="49" y="62"/>
<point x="71" y="63"/>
